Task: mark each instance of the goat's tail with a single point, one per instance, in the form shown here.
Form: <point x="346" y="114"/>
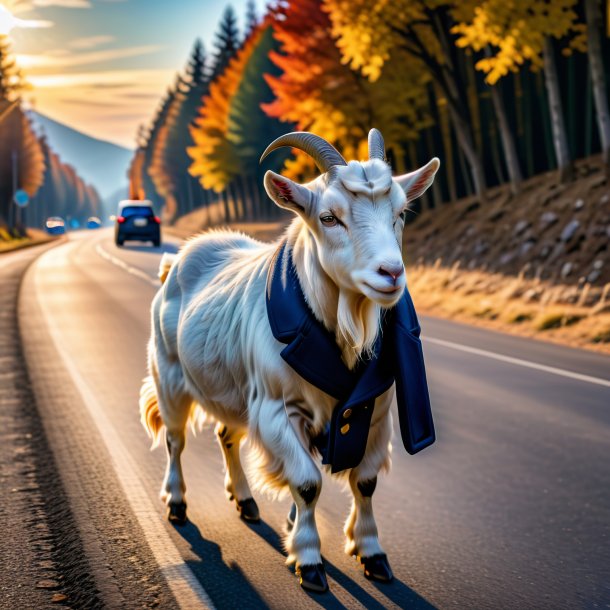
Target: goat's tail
<point x="149" y="411"/>
<point x="167" y="260"/>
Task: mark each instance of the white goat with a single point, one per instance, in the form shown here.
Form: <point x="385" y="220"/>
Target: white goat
<point x="212" y="352"/>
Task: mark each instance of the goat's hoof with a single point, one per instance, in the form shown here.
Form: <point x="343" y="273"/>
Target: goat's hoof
<point x="291" y="518"/>
<point x="377" y="567"/>
<point x="248" y="510"/>
<point x="313" y="578"/>
<point x="177" y="513"/>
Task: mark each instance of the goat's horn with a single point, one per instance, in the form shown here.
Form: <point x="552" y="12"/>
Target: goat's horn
<point x="376" y="145"/>
<point x="324" y="154"/>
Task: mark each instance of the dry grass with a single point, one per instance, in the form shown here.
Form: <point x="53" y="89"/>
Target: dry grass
<point x="530" y="307"/>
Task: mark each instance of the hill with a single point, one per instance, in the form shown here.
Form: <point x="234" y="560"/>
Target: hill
<point x="100" y="163"/>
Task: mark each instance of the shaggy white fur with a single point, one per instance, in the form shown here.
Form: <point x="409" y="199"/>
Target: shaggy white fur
<point x="212" y="352"/>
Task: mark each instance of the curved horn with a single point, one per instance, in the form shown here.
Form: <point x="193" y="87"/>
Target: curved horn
<point x="324" y="154"/>
<point x="376" y="145"/>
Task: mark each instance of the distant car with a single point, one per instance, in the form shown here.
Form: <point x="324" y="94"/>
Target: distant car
<point x="93" y="222"/>
<point x="74" y="223"/>
<point x="136" y="220"/>
<point x="55" y="225"/>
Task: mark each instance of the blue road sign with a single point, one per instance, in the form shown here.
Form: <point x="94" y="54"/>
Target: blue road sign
<point x="21" y="198"/>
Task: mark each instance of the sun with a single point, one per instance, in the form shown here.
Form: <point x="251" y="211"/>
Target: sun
<point x="7" y="20"/>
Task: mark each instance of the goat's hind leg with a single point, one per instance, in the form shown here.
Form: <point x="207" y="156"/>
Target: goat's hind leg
<point x="236" y="482"/>
<point x="175" y="413"/>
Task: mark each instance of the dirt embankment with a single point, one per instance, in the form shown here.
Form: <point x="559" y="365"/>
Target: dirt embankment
<point x="536" y="264"/>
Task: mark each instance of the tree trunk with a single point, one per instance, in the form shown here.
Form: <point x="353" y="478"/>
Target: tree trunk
<point x="467" y="146"/>
<point x="508" y="142"/>
<point x="598" y="77"/>
<point x="560" y="141"/>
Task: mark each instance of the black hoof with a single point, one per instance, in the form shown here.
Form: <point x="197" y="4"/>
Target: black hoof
<point x="248" y="510"/>
<point x="313" y="578"/>
<point x="291" y="518"/>
<point x="377" y="567"/>
<point x="177" y="513"/>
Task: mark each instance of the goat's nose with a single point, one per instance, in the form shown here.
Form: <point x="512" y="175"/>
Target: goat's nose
<point x="391" y="271"/>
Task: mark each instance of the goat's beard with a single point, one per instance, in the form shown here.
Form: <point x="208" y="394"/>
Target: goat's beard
<point x="358" y="324"/>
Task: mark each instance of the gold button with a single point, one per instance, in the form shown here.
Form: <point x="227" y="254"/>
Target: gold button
<point x="347" y="413"/>
<point x="345" y="429"/>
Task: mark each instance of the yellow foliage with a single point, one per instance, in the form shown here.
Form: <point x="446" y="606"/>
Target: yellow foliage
<point x="516" y="31"/>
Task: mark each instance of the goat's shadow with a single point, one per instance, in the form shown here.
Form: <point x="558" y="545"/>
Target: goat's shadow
<point x="396" y="591"/>
<point x="225" y="584"/>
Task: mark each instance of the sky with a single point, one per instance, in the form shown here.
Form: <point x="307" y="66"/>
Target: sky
<point x="102" y="66"/>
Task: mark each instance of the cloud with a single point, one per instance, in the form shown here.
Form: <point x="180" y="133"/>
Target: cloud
<point x="61" y="58"/>
<point x="106" y="104"/>
<point x="63" y="3"/>
<point x="90" y="42"/>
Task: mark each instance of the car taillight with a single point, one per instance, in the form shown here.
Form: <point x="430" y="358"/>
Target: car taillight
<point x="157" y="220"/>
<point x="120" y="219"/>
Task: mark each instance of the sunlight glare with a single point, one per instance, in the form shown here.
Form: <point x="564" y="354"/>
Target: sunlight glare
<point x="7" y="21"/>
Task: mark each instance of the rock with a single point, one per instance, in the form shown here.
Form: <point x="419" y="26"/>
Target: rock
<point x="593" y="276"/>
<point x="47" y="584"/>
<point x="548" y="219"/>
<point x="604" y="199"/>
<point x="566" y="269"/>
<point x="569" y="230"/>
<point x="546" y="250"/>
<point x="520" y="227"/>
<point x="58" y="598"/>
<point x="598" y="264"/>
<point x="480" y="248"/>
<point x="579" y="204"/>
<point x="526" y="247"/>
<point x="506" y="258"/>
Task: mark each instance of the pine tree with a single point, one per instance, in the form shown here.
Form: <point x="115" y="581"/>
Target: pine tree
<point x="11" y="78"/>
<point x="252" y="19"/>
<point x="227" y="42"/>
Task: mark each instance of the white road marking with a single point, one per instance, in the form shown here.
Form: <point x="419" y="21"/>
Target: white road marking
<point x="519" y="362"/>
<point x="183" y="583"/>
<point x="129" y="268"/>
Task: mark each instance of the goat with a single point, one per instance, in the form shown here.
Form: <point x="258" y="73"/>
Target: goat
<point x="212" y="353"/>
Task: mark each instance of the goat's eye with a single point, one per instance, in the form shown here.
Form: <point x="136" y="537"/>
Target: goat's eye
<point x="328" y="220"/>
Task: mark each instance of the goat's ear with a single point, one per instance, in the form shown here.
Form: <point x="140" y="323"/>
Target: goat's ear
<point x="288" y="194"/>
<point x="416" y="183"/>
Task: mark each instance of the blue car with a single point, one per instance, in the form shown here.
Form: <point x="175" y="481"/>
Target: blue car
<point x="55" y="225"/>
<point x="136" y="220"/>
<point x="93" y="222"/>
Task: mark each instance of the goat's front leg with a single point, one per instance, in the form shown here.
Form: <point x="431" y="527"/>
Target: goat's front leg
<point x="236" y="482"/>
<point x="290" y="463"/>
<point x="360" y="528"/>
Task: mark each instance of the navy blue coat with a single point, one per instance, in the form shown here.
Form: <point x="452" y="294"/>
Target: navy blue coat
<point x="313" y="353"/>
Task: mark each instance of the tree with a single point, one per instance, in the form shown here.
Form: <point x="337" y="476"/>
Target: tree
<point x="169" y="168"/>
<point x="319" y="93"/>
<point x="598" y="76"/>
<point x="11" y="77"/>
<point x="369" y="33"/>
<point x="252" y="19"/>
<point x="519" y="32"/>
<point x="226" y="44"/>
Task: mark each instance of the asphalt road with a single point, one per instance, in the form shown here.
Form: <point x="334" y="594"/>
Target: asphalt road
<point x="509" y="509"/>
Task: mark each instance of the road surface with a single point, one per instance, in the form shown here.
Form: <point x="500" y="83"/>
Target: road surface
<point x="509" y="509"/>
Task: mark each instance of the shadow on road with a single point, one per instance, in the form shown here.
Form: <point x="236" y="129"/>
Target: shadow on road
<point x="164" y="247"/>
<point x="225" y="584"/>
<point x="397" y="591"/>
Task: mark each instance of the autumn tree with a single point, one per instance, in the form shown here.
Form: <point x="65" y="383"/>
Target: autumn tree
<point x="524" y="32"/>
<point x="12" y="82"/>
<point x="169" y="168"/>
<point x="369" y="33"/>
<point x="319" y="93"/>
